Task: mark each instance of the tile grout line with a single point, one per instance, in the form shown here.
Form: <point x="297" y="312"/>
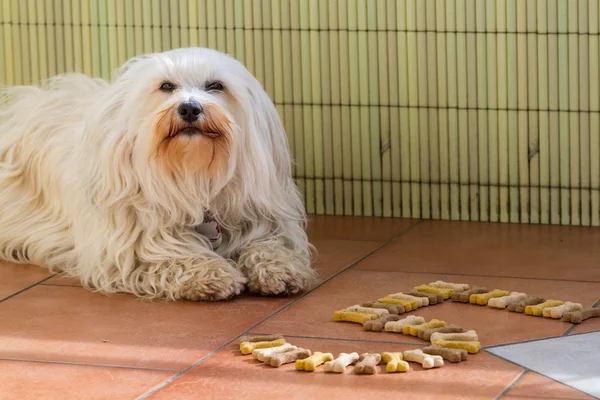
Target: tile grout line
<point x="75" y="364"/>
<point x="349" y="340"/>
<point x="294" y="301"/>
<point x="485" y="276"/>
<point x="495" y="346"/>
<point x="537" y="372"/>
<point x="512" y="385"/>
<point x="57" y="285"/>
<point x="27" y="288"/>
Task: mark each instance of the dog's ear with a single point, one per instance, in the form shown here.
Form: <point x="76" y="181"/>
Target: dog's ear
<point x="131" y="63"/>
<point x="267" y="124"/>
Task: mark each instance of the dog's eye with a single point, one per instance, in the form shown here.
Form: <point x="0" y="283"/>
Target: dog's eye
<point x="167" y="87"/>
<point x="214" y="86"/>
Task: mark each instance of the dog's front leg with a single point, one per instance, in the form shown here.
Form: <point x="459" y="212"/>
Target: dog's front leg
<point x="186" y="271"/>
<point x="278" y="263"/>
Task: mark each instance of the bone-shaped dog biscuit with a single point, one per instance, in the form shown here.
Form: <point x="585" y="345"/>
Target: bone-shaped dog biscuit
<point x="368" y="310"/>
<point x="277" y="360"/>
<point x="503" y="302"/>
<point x="367" y="363"/>
<point x="339" y="364"/>
<point x="249" y="347"/>
<point x="465" y="295"/>
<point x="394" y="362"/>
<point x="378" y="324"/>
<point x="311" y="363"/>
<point x="470" y="335"/>
<point x="472" y="347"/>
<point x="421" y="301"/>
<point x="425" y="334"/>
<point x="456" y="287"/>
<point x="353" y="316"/>
<point x="468" y="341"/>
<point x="519" y="306"/>
<point x="452" y="355"/>
<point x="413" y="330"/>
<point x="408" y="305"/>
<point x="558" y="311"/>
<point x="398" y="326"/>
<point x="538" y="309"/>
<point x="259" y="338"/>
<point x="392" y="308"/>
<point x="434" y="298"/>
<point x="427" y="361"/>
<point x="446" y="293"/>
<point x="483" y="298"/>
<point x="261" y="354"/>
<point x="578" y="317"/>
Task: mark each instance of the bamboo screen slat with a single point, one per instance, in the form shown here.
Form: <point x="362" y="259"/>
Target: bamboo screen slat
<point x="483" y="110"/>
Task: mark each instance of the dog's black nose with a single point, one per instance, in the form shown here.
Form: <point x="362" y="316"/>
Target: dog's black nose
<point x="189" y="111"/>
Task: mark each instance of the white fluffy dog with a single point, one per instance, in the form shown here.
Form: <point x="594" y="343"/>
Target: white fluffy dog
<point x="112" y="182"/>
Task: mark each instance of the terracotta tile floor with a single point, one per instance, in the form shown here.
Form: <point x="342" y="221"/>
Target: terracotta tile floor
<point x="60" y="341"/>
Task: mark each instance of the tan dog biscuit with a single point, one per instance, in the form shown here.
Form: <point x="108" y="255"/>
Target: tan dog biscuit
<point x="392" y="308"/>
<point x="465" y="295"/>
<point x="277" y="360"/>
<point x="519" y="306"/>
<point x="426" y="333"/>
<point x="367" y="363"/>
<point x="452" y="355"/>
<point x="378" y="324"/>
<point x="578" y="317"/>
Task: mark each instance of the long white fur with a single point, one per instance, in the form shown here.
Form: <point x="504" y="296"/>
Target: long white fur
<point x="81" y="193"/>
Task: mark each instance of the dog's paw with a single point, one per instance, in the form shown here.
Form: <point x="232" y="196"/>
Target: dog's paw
<point x="276" y="270"/>
<point x="217" y="281"/>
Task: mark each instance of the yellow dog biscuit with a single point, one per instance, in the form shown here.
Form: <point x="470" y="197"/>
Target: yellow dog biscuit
<point x="538" y="310"/>
<point x="421" y="301"/>
<point x="413" y="330"/>
<point x="353" y="316"/>
<point x="394" y="362"/>
<point x="468" y="341"/>
<point x="471" y="347"/>
<point x="249" y="347"/>
<point x="408" y="305"/>
<point x="311" y="363"/>
<point x="483" y="298"/>
<point x="431" y="289"/>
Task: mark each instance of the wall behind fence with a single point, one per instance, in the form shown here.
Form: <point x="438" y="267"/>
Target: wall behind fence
<point x="484" y="110"/>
